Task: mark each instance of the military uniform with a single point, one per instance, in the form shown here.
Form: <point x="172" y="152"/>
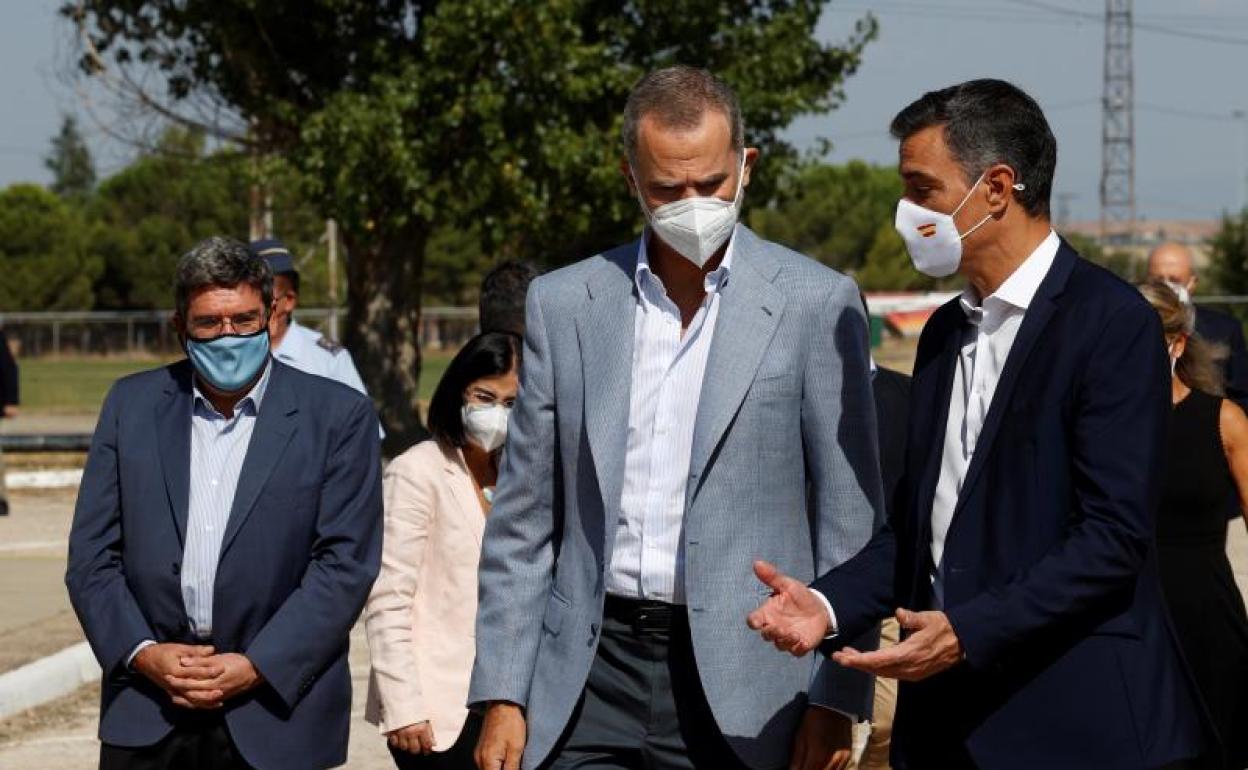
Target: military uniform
<point x="314" y="353"/>
<point x="8" y="397"/>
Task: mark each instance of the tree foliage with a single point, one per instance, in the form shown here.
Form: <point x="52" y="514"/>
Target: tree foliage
<point x="73" y="172"/>
<point x="44" y="256"/>
<point x="1229" y="257"/>
<point x="842" y="215"/>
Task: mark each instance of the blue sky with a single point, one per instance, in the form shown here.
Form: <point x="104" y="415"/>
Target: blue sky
<point x="1191" y="155"/>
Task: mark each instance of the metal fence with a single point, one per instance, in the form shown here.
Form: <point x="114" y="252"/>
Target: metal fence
<point x="150" y="332"/>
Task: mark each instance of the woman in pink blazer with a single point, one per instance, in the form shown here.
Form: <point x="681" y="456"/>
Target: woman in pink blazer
<point x="420" y="615"/>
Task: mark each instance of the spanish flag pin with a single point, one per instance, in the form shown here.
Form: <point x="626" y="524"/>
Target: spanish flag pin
<point x="927" y="230"/>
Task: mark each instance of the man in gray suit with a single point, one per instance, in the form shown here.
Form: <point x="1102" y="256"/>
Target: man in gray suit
<point x="690" y="403"/>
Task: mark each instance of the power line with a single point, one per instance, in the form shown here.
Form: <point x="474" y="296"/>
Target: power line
<point x="1147" y="26"/>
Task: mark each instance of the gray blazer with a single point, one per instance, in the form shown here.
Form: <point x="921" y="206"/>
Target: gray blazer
<point x="784" y="468"/>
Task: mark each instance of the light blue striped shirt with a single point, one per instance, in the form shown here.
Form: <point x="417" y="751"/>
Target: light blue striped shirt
<point x="669" y="363"/>
<point x="218" y="448"/>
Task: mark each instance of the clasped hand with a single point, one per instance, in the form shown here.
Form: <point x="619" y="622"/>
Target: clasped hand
<point x="194" y="676"/>
<point x="796" y="622"/>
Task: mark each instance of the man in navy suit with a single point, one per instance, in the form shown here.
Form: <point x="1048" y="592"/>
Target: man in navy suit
<point x="227" y="532"/>
<point x="1022" y="555"/>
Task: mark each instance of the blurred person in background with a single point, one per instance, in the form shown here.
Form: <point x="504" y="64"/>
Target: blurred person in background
<point x="501" y="303"/>
<point x="8" y="405"/>
<point x="1206" y="462"/>
<point x="420" y="616"/>
<point x="294" y="344"/>
<point x="1172" y="262"/>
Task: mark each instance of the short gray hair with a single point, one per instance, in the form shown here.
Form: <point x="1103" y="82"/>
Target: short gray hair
<point x="219" y="261"/>
<point x="678" y="97"/>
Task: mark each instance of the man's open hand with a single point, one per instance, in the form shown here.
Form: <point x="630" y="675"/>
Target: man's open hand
<point x="793" y="619"/>
<point x="931" y="648"/>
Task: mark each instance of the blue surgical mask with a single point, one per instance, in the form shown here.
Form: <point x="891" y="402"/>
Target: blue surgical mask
<point x="231" y="361"/>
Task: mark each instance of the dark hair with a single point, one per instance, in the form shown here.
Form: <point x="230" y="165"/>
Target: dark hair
<point x="501" y="303"/>
<point x="489" y="354"/>
<point x="220" y="261"/>
<point x="292" y="276"/>
<point x="678" y="97"/>
<point x="988" y="122"/>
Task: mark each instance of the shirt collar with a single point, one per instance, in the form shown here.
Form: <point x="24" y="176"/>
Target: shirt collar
<point x="1020" y="288"/>
<point x="715" y="280"/>
<point x="251" y="401"/>
<point x="292" y="341"/>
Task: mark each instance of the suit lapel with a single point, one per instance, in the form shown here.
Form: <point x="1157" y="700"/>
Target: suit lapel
<point x="173" y="441"/>
<point x="1035" y="320"/>
<point x="605" y="330"/>
<point x="274" y="426"/>
<point x="465" y="494"/>
<point x="750" y="308"/>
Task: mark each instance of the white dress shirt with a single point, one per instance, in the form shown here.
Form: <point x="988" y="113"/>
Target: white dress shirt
<point x="994" y="324"/>
<point x="648" y="561"/>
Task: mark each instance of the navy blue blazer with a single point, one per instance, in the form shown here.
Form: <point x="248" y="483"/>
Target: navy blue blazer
<point x="1225" y="329"/>
<point x="301" y="550"/>
<point x="1049" y="570"/>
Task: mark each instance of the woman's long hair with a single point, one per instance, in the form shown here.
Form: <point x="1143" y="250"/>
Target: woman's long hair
<point x="1199" y="368"/>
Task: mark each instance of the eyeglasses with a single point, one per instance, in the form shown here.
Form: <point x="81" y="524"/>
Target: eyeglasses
<point x="214" y="326"/>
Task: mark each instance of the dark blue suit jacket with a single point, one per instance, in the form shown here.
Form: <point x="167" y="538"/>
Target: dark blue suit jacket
<point x="1049" y="571"/>
<point x="300" y="553"/>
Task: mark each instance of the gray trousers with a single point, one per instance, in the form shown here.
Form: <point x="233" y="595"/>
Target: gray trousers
<point x="643" y="707"/>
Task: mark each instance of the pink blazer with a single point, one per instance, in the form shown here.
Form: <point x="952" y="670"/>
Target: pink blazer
<point x="420" y="615"/>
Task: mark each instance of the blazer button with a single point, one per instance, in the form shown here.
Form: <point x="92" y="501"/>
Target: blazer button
<point x="176" y="568"/>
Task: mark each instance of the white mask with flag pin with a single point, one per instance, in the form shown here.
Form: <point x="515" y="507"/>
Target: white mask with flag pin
<point x="932" y="237"/>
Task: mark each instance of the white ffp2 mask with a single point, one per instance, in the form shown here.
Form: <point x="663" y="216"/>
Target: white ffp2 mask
<point x="486" y="424"/>
<point x="695" y="227"/>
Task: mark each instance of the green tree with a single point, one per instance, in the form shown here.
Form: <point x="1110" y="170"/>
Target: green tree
<point x="144" y="217"/>
<point x="501" y="118"/>
<point x="43" y="252"/>
<point x="1118" y="262"/>
<point x="151" y="212"/>
<point x="1229" y="258"/>
<point x="842" y="215"/>
<point x="73" y="172"/>
<point x="832" y="213"/>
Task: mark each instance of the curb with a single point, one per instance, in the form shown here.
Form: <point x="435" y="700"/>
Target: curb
<point x="47" y="679"/>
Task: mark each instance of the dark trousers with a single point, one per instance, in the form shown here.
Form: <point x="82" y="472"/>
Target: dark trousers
<point x="198" y="742"/>
<point x="457" y="757"/>
<point x="643" y="706"/>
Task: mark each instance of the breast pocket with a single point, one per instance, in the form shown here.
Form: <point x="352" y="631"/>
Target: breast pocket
<point x="773" y="386"/>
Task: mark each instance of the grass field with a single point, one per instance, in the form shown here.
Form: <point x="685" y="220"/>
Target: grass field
<point x="78" y="385"/>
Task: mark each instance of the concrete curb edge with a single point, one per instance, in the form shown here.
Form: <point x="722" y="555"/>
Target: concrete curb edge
<point x="47" y="679"/>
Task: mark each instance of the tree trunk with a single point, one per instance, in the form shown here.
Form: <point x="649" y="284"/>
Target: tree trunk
<point x="384" y="276"/>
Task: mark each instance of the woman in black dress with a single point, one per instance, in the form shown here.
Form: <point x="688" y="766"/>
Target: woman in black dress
<point x="1207" y="464"/>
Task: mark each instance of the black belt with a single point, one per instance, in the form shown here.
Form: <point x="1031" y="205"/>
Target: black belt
<point x="644" y="615"/>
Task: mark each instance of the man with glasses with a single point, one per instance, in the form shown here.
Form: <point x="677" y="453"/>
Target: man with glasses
<point x="226" y="535"/>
